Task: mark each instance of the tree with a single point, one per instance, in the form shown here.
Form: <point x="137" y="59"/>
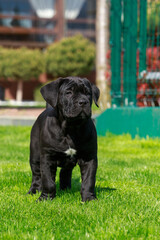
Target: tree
<point x="71" y="56"/>
<point x="21" y="65"/>
<point x="101" y="52"/>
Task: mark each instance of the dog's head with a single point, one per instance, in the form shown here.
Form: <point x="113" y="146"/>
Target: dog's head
<point x="72" y="96"/>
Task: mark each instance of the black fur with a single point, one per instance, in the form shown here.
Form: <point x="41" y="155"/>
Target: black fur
<point x="65" y="125"/>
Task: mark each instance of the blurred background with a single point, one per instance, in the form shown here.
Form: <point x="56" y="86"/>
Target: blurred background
<point x="35" y="25"/>
<point x="114" y="43"/>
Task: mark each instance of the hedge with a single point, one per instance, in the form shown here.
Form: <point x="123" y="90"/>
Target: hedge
<point x="71" y="56"/>
<point x="21" y="64"/>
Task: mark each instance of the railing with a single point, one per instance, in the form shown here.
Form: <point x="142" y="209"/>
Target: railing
<point x="33" y="31"/>
<point x="135" y="52"/>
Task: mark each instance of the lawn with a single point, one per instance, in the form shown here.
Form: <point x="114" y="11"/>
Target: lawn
<point x="127" y="186"/>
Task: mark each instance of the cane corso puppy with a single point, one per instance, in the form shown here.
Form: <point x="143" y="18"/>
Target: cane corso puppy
<point x="64" y="135"/>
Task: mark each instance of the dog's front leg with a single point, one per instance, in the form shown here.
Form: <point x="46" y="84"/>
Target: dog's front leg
<point x="88" y="175"/>
<point x="48" y="174"/>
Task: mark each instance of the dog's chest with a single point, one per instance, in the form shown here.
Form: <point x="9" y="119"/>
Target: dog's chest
<point x="67" y="159"/>
<point x="70" y="152"/>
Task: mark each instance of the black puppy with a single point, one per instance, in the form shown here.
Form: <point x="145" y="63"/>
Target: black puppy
<point x="63" y="135"/>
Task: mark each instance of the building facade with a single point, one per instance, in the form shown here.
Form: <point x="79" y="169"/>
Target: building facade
<point x="37" y="23"/>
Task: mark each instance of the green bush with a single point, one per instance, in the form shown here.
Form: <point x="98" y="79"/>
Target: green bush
<point x="37" y="95"/>
<point x="21" y="64"/>
<point x="71" y="56"/>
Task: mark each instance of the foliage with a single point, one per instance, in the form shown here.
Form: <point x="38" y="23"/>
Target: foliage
<point x="71" y="56"/>
<point x="127" y="187"/>
<point x="21" y="64"/>
<point x="37" y="94"/>
<point x="153" y="8"/>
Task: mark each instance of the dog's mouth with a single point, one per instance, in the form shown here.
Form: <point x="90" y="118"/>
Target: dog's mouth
<point x="78" y="118"/>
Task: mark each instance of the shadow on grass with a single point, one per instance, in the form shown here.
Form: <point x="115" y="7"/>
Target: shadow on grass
<point x="75" y="187"/>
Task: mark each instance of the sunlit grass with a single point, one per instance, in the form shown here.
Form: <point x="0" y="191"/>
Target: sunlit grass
<point x="127" y="187"/>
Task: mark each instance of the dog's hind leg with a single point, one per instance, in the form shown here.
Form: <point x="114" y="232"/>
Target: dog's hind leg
<point x="36" y="184"/>
<point x="65" y="178"/>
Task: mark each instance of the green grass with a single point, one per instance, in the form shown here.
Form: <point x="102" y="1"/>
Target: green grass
<point x="127" y="186"/>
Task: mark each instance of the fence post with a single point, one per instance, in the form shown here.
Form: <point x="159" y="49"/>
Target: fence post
<point x="115" y="43"/>
<point x="130" y="49"/>
<point x="133" y="54"/>
<point x="101" y="51"/>
<point x="142" y="35"/>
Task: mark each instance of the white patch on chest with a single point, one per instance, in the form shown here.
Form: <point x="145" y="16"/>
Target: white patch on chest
<point x="70" y="152"/>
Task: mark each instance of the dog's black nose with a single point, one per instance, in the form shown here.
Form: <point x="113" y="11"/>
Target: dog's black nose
<point x="82" y="102"/>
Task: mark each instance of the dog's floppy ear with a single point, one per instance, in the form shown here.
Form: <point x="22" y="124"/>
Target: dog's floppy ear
<point x="96" y="94"/>
<point x="50" y="92"/>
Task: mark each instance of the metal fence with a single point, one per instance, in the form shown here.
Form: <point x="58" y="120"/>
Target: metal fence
<point x="135" y="52"/>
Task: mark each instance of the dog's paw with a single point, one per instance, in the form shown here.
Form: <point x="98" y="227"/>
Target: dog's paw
<point x="88" y="198"/>
<point x="31" y="191"/>
<point x="34" y="190"/>
<point x="45" y="196"/>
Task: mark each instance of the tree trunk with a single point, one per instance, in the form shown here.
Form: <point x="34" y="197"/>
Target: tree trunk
<point x="102" y="46"/>
<point x="19" y="93"/>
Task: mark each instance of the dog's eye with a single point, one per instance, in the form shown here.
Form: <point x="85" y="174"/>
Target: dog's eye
<point x="69" y="92"/>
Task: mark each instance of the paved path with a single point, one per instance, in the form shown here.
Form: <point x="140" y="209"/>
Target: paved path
<point x="18" y="116"/>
